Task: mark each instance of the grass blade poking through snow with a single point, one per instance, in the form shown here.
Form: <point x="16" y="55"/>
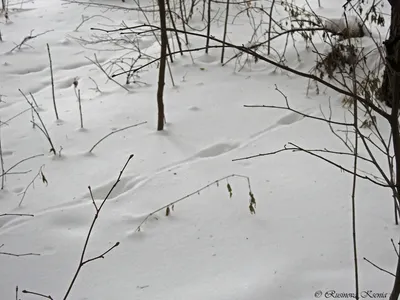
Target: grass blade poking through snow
<point x="171" y="206"/>
<point x="115" y="131"/>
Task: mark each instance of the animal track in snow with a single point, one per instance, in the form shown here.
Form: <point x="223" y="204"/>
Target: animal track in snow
<point x="8" y="152"/>
<point x="5" y="104"/>
<point x="64" y="42"/>
<point x="65" y="84"/>
<point x="216" y="150"/>
<point x="125" y="184"/>
<point x="78" y="64"/>
<point x="61" y="217"/>
<point x="194" y="108"/>
<point x="145" y="43"/>
<point x="290" y="119"/>
<point x="100" y="192"/>
<point x="64" y="219"/>
<point x="29" y="70"/>
<point x="135" y="183"/>
<point x="208" y="59"/>
<point x="38" y="88"/>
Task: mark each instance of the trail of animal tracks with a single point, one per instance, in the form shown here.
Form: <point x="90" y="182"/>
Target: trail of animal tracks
<point x="210" y="247"/>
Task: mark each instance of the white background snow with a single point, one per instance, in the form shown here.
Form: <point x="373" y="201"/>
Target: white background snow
<point x="211" y="247"/>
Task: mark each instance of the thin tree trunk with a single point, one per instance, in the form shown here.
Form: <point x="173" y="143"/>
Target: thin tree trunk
<point x="208" y="25"/>
<point x="393" y="77"/>
<point x="225" y="30"/>
<point x="161" y="72"/>
<point x="396" y="145"/>
<point x="385" y="92"/>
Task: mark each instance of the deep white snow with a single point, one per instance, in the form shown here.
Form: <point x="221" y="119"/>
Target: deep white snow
<point x="210" y="247"/>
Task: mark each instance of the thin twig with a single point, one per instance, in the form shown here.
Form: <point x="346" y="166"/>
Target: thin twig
<point x="93" y="201"/>
<point x="97" y="64"/>
<point x="82" y="260"/>
<point x="37" y="294"/>
<point x="19" y="255"/>
<point x="17" y="215"/>
<point x="30" y="184"/>
<point x="113" y="132"/>
<point x="21" y="161"/>
<point x="353" y="192"/>
<point x="379" y="268"/>
<point x="296" y="148"/>
<point x="395" y="248"/>
<point x="28" y="38"/>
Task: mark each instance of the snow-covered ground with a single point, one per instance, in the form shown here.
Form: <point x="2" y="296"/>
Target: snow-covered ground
<point x="210" y="247"/>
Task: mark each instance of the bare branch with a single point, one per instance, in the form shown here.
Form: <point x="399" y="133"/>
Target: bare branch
<point x="37" y="294"/>
<point x="82" y="260"/>
<point x="379" y="268"/>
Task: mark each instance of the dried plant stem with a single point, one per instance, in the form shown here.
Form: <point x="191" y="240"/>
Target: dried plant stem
<point x="16" y="215"/>
<point x="29" y="185"/>
<point x="113" y="132"/>
<point x="52" y="82"/>
<point x="43" y="129"/>
<point x="80" y="108"/>
<point x="216" y="182"/>
<point x="34" y="100"/>
<point x="37" y="294"/>
<point x="21" y="161"/>
<point x="12" y="118"/>
<point x="19" y="255"/>
<point x="3" y="177"/>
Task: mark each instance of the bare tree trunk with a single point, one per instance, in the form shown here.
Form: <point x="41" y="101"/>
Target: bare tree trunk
<point x="393" y="82"/>
<point x="386" y="92"/>
<point x="396" y="145"/>
<point x="208" y="25"/>
<point x="161" y="72"/>
<point x="225" y="29"/>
